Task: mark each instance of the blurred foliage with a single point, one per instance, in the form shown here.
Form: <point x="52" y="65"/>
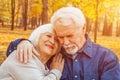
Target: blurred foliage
<point x="111" y="7"/>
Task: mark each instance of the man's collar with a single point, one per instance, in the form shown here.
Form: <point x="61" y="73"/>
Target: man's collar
<point x="87" y="48"/>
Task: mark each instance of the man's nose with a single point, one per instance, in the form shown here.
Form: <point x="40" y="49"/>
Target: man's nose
<point x="66" y="41"/>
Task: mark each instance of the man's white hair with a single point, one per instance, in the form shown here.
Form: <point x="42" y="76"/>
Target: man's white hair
<point x="69" y="12"/>
<point x="35" y="35"/>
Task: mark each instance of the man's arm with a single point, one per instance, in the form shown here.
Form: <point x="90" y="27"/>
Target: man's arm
<point x="24" y="48"/>
<point x="111" y="69"/>
<point x="13" y="46"/>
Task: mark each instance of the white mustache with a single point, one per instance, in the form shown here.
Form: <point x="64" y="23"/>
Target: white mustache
<point x="71" y="49"/>
<point x="69" y="46"/>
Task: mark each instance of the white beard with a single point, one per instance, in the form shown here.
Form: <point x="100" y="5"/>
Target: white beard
<point x="72" y="49"/>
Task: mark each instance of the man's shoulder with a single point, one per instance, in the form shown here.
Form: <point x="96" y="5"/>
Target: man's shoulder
<point x="103" y="50"/>
<point x="100" y="47"/>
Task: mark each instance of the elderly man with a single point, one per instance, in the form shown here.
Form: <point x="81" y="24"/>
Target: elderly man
<point x="84" y="59"/>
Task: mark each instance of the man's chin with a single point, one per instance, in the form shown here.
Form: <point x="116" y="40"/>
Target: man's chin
<point x="71" y="52"/>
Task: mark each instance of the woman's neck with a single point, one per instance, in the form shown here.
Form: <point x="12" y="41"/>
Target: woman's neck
<point x="43" y="58"/>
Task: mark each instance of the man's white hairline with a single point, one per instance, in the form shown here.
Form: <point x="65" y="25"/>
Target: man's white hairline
<point x="74" y="13"/>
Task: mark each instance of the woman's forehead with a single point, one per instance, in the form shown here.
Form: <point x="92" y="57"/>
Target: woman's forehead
<point x="48" y="33"/>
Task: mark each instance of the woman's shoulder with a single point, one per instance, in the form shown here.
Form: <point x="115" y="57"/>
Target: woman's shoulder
<point x="11" y="62"/>
<point x="9" y="59"/>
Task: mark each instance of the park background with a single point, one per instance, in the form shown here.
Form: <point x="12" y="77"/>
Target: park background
<point x="18" y="18"/>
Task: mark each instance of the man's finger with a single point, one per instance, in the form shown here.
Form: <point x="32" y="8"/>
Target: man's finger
<point x="35" y="52"/>
<point x="21" y="55"/>
<point x="30" y="53"/>
<point x="18" y="54"/>
<point x="25" y="56"/>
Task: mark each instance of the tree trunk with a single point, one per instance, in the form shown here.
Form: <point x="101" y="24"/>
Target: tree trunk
<point x="2" y="23"/>
<point x="45" y="12"/>
<point x="96" y="22"/>
<point x="33" y="23"/>
<point x="13" y="12"/>
<point x="107" y="29"/>
<point x="18" y="12"/>
<point x="104" y="32"/>
<point x="88" y="25"/>
<point x="24" y="14"/>
<point x="118" y="29"/>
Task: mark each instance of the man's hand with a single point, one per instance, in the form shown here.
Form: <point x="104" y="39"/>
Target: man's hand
<point x="25" y="50"/>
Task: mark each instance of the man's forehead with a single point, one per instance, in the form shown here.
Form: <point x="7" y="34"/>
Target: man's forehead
<point x="65" y="32"/>
<point x="62" y="27"/>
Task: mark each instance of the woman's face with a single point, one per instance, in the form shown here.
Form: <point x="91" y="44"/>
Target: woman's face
<point x="48" y="43"/>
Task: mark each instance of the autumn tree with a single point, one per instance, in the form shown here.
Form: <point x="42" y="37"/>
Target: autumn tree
<point x="44" y="12"/>
<point x="24" y="13"/>
<point x="13" y="13"/>
<point x="117" y="20"/>
<point x="35" y="13"/>
<point x="40" y="11"/>
<point x="109" y="17"/>
<point x="18" y="12"/>
<point x="4" y="11"/>
<point x="105" y="25"/>
<point x="1" y="14"/>
<point x="118" y="30"/>
<point x="118" y="24"/>
<point x="96" y="21"/>
<point x="107" y="28"/>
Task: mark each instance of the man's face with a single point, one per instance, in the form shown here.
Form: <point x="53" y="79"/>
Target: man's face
<point x="71" y="37"/>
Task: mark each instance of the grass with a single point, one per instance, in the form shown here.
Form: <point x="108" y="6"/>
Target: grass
<point x="6" y="36"/>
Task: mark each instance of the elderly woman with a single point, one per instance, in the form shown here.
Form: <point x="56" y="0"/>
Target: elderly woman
<point x="46" y="44"/>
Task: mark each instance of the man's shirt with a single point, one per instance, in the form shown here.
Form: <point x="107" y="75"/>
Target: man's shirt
<point x="93" y="62"/>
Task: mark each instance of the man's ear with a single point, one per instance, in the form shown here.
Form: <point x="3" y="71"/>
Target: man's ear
<point x="84" y="28"/>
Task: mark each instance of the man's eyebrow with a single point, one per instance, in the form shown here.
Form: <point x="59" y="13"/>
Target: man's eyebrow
<point x="59" y="36"/>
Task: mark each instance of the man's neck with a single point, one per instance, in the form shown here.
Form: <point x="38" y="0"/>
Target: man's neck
<point x="74" y="56"/>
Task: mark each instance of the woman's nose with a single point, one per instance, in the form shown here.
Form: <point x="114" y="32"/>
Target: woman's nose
<point x="52" y="40"/>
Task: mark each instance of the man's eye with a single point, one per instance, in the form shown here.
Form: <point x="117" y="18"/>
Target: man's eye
<point x="60" y="37"/>
<point x="49" y="36"/>
<point x="56" y="39"/>
<point x="70" y="36"/>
